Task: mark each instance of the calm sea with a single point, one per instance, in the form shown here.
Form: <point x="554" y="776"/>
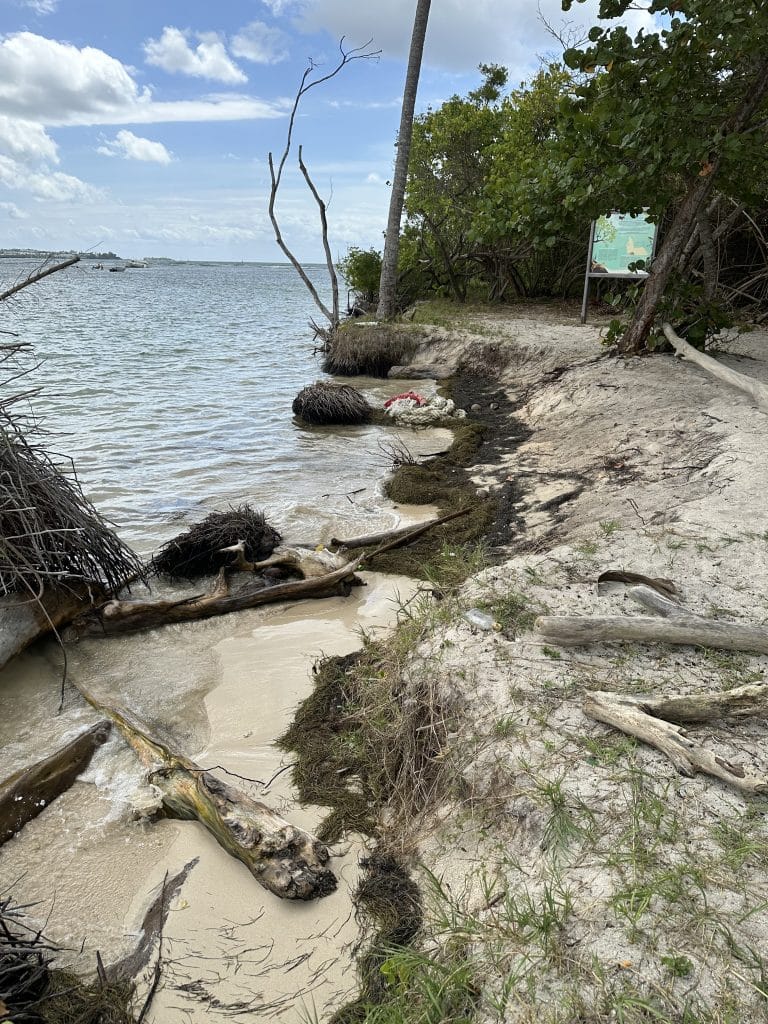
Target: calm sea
<point x="171" y="387"/>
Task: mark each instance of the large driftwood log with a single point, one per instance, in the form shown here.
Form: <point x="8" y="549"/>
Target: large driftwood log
<point x="27" y="793"/>
<point x="644" y="718"/>
<point x="285" y="859"/>
<point x="126" y="616"/>
<point x="748" y="385"/>
<point x="23" y="619"/>
<point x="572" y="630"/>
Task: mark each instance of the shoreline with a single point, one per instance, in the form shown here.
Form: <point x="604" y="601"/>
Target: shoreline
<point x="566" y="871"/>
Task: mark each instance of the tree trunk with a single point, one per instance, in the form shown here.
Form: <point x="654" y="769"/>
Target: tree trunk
<point x="388" y="281"/>
<point x="636" y="335"/>
<point x="23" y="619"/>
<point x="285" y="859"/>
<point x="26" y="793"/>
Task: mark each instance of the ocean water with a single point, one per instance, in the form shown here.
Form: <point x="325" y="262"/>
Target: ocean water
<point x="170" y="388"/>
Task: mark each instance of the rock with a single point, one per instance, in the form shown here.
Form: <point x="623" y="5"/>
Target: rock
<point x="476" y="407"/>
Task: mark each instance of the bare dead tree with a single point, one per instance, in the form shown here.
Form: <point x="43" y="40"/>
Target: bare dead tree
<point x="276" y="174"/>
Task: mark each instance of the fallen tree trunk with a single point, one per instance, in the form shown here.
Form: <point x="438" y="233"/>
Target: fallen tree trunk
<point x="747" y="385"/>
<point x="288" y="861"/>
<point x="23" y="619"/>
<point x="26" y="793"/>
<point x="126" y="616"/>
<point x="572" y="630"/>
<point x="395" y="538"/>
<point x="644" y="718"/>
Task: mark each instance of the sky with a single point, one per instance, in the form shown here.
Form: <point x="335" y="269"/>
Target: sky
<point x="144" y="126"/>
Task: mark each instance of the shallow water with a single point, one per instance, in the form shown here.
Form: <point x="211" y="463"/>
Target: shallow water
<point x="171" y="388"/>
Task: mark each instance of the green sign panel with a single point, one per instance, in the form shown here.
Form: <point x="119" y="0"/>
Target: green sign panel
<point x="620" y="242"/>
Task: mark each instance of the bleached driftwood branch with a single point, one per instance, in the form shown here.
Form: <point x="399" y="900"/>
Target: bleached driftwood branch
<point x="757" y="392"/>
<point x="572" y="630"/>
<point x="645" y="718"/>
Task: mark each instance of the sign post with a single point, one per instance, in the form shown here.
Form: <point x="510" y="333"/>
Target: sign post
<point x="620" y="246"/>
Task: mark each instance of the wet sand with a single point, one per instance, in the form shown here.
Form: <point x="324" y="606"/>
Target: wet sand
<point x="224" y="689"/>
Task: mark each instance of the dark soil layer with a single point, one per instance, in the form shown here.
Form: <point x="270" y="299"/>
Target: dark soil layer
<point x="445" y="481"/>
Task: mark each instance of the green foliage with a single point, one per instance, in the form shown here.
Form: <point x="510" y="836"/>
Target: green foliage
<point x="361" y="269"/>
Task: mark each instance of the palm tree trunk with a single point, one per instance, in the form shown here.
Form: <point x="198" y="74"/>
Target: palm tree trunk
<point x="388" y="282"/>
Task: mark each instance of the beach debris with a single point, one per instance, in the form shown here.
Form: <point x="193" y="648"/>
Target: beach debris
<point x="202" y="549"/>
<point x="479" y="619"/>
<point x="391" y="539"/>
<point x="754" y="389"/>
<point x="129" y="616"/>
<point x="414" y="410"/>
<point x="286" y="860"/>
<point x="52" y="536"/>
<point x="57" y="553"/>
<point x="306" y="562"/>
<point x="326" y="402"/>
<point x="654" y="721"/>
<point x="27" y="793"/>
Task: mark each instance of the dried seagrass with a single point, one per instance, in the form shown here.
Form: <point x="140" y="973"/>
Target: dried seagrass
<point x="325" y="403"/>
<point x="198" y="551"/>
<point x="50" y="534"/>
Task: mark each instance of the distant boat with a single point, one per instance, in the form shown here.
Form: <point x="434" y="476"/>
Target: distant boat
<point x="116" y="270"/>
<point x="136" y="264"/>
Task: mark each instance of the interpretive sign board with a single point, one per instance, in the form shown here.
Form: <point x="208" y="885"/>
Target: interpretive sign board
<point x="620" y="245"/>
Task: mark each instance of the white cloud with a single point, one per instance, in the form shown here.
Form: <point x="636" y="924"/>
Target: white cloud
<point x="508" y="32"/>
<point x="45" y="80"/>
<point x="13" y="211"/>
<point x="26" y="141"/>
<point x="259" y="43"/>
<point x="44" y="184"/>
<point x="55" y="83"/>
<point x="133" y="147"/>
<point x="209" y="59"/>
<point x="42" y="6"/>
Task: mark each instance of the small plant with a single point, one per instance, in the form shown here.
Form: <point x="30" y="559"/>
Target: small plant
<point x="677" y="966"/>
<point x="551" y="652"/>
<point x="610" y="526"/>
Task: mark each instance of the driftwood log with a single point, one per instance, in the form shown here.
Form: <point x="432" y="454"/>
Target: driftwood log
<point x="572" y="630"/>
<point x="26" y="793"/>
<point x="652" y="720"/>
<point x="23" y="619"/>
<point x="127" y="616"/>
<point x="390" y="539"/>
<point x="747" y="385"/>
<point x="286" y="860"/>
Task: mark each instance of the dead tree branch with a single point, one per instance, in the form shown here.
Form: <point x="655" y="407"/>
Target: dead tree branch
<point x="276" y="176"/>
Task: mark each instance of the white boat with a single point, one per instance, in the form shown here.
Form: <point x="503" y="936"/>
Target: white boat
<point x="136" y="264"/>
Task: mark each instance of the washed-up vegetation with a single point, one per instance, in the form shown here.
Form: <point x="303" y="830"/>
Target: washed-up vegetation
<point x="50" y="534"/>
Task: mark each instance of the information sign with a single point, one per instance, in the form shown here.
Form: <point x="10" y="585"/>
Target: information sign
<point x="620" y="245"/>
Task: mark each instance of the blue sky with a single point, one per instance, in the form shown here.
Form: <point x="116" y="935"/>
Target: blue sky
<point x="144" y="127"/>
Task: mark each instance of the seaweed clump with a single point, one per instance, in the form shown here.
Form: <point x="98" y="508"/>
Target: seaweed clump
<point x="33" y="991"/>
<point x="324" y="403"/>
<point x="198" y="551"/>
<point x="50" y="534"/>
<point x="369" y="350"/>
